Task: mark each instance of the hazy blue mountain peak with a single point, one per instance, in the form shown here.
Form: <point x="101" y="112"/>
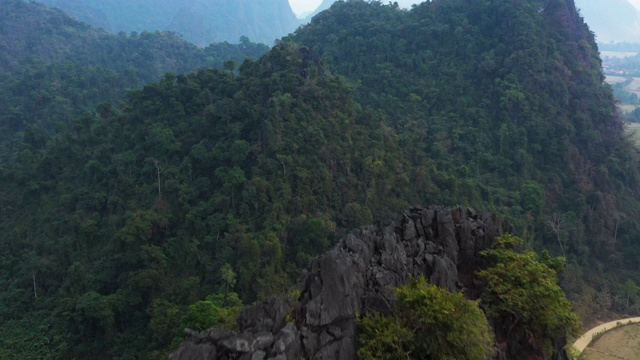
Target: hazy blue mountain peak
<point x="199" y="21"/>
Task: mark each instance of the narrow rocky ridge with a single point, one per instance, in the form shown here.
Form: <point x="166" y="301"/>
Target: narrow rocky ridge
<point x="359" y="275"/>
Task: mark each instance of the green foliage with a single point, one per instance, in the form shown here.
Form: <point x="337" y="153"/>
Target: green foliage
<point x="203" y="315"/>
<point x="428" y="323"/>
<point x="69" y="68"/>
<point x="572" y="352"/>
<point x="493" y="110"/>
<point x="183" y="212"/>
<point x="164" y="319"/>
<point x="629" y="291"/>
<point x="532" y="197"/>
<point x="503" y="107"/>
<point x="522" y="287"/>
<point x="219" y="310"/>
<point x="384" y="337"/>
<point x="228" y="276"/>
<point x="120" y="210"/>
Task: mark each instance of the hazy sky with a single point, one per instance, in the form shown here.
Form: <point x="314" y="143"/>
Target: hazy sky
<point x="306" y="6"/>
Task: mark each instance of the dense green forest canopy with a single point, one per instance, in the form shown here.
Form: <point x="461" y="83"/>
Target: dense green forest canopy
<point x="139" y="210"/>
<point x="31" y="31"/>
<point x="54" y="68"/>
<point x="500" y="104"/>
<point x="122" y="224"/>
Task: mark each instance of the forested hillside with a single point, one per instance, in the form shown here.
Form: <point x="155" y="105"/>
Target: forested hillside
<point x="201" y="22"/>
<point x="139" y="211"/>
<point x="54" y="68"/>
<point x="501" y="104"/>
<point x="124" y="224"/>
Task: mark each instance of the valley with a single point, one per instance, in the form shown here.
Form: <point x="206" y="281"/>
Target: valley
<point x="151" y="183"/>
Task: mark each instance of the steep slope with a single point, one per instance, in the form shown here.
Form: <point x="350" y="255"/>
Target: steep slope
<point x="55" y="68"/>
<point x="499" y="110"/>
<point x="256" y="170"/>
<point x="326" y="4"/>
<point x="35" y="32"/>
<point x="357" y="277"/>
<point x="505" y="102"/>
<point x="82" y="11"/>
<point x="23" y="26"/>
<point x="201" y="22"/>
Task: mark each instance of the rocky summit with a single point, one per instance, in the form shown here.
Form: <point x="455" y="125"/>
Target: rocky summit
<point x="358" y="276"/>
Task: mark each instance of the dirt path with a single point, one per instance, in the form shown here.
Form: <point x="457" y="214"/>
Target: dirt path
<point x="585" y="339"/>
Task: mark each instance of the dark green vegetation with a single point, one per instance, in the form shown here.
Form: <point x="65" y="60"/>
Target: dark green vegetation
<point x="520" y="295"/>
<point x="139" y="211"/>
<point x="54" y="68"/>
<point x="428" y="323"/>
<point x="117" y="224"/>
<point x="522" y="291"/>
<point x="501" y="105"/>
<point x="198" y="21"/>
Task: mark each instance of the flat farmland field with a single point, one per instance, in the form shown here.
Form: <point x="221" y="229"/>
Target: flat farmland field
<point x="617" y="54"/>
<point x="612" y="79"/>
<point x="625" y="108"/>
<point x="634" y="130"/>
<point x="634" y="86"/>
<point x="616" y="344"/>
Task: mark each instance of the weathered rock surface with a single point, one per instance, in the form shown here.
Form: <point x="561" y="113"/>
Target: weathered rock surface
<point x="357" y="276"/>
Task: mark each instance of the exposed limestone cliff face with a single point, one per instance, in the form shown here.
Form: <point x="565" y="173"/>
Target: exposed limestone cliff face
<point x="357" y="276"/>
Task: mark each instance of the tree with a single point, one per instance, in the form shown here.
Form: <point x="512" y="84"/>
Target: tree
<point x="630" y="291"/>
<point x="524" y="289"/>
<point x="229" y="65"/>
<point x="428" y="323"/>
<point x="229" y="278"/>
<point x="203" y="315"/>
<point x="557" y="223"/>
<point x="159" y="170"/>
<point x="216" y="310"/>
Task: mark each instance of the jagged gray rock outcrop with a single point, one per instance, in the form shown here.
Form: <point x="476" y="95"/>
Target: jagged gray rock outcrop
<point x="357" y="276"/>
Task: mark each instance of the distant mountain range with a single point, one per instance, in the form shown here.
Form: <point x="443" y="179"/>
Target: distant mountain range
<point x="610" y="20"/>
<point x="201" y="22"/>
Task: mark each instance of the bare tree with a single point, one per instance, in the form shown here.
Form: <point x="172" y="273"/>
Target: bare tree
<point x="159" y="171"/>
<point x="620" y="217"/>
<point x="557" y="222"/>
<point x="35" y="291"/>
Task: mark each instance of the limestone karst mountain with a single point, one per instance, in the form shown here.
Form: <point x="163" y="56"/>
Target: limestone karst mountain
<point x="358" y="276"/>
<point x="123" y="222"/>
<point x="201" y="22"/>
